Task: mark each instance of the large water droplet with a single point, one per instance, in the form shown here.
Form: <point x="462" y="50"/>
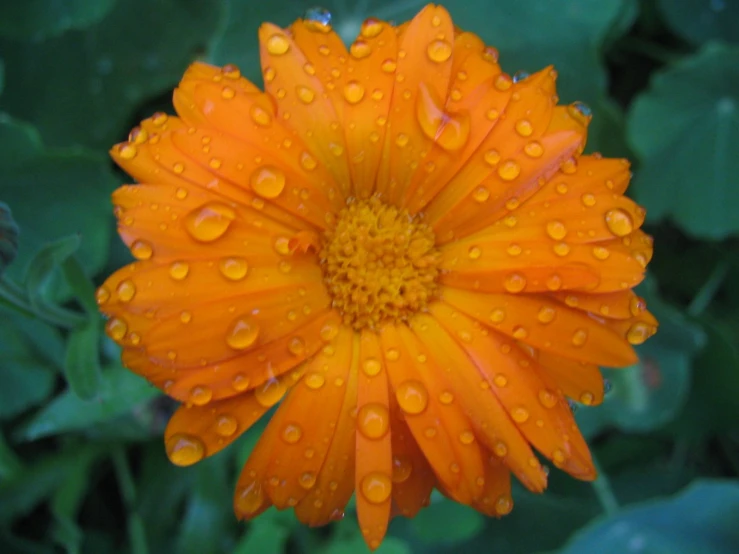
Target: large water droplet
<point x="278" y="44"/>
<point x="520" y="75"/>
<point x="376" y="487"/>
<point x="292" y="433"/>
<point x="371" y="367"/>
<point x="126" y="290"/>
<point x="515" y="282"/>
<point x="242" y="333"/>
<point x="619" y="222"/>
<point x="249" y="498"/>
<point x="233" y="269"/>
<point x="439" y="50"/>
<point x="556" y="230"/>
<point x="314" y="381"/>
<point x="179" y="270"/>
<point x="520" y="414"/>
<point x="200" y="395"/>
<point x="448" y="130"/>
<point x="116" y="328"/>
<point x="412" y="397"/>
<point x="270" y="393"/>
<point x="141" y="250"/>
<point x="184" y="449"/>
<point x="226" y="425"/>
<point x="318" y="15"/>
<point x="209" y="222"/>
<point x="353" y="92"/>
<point x="267" y="181"/>
<point x="373" y="420"/>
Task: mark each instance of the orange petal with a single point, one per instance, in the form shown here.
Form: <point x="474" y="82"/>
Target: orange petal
<point x="501" y="175"/>
<point x="581" y="381"/>
<point x="373" y="472"/>
<point x="537" y="411"/>
<point x="546" y="325"/>
<point x="438" y="427"/>
<point x="366" y="94"/>
<point x="334" y="485"/>
<point x="623" y="304"/>
<point x="496" y="498"/>
<point x="424" y="67"/>
<point x="303" y="98"/>
<point x="297" y="458"/>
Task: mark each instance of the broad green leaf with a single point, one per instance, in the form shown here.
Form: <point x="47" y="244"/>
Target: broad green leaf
<point x="447" y="521"/>
<point x="699" y="520"/>
<point x="10" y="464"/>
<point x="82" y="361"/>
<point x="83" y="86"/>
<point x="265" y="535"/>
<point x="43" y="264"/>
<point x="120" y="392"/>
<point x="65" y="504"/>
<point x="685" y="130"/>
<point x="8" y="237"/>
<point x="55" y="193"/>
<point x="648" y="395"/>
<point x="702" y="20"/>
<point x="37" y="19"/>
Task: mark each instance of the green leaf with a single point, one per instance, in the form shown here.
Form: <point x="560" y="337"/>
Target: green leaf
<point x="650" y="394"/>
<point x="37" y="19"/>
<point x="447" y="521"/>
<point x="265" y="534"/>
<point x="43" y="264"/>
<point x="8" y="237"/>
<point x="82" y="361"/>
<point x="2" y="76"/>
<point x="55" y="193"/>
<point x="685" y="130"/>
<point x="701" y="519"/>
<point x="10" y="464"/>
<point x="65" y="504"/>
<point x="120" y="392"/>
<point x="702" y="20"/>
<point x="83" y="86"/>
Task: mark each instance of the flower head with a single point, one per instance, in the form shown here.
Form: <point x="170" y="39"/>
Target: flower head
<point x="398" y="242"/>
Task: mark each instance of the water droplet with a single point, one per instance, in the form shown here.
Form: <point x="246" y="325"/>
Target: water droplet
<point x="360" y="49"/>
<point x="318" y="15"/>
<point x="601" y="252"/>
<point x="556" y="230"/>
<point x="520" y="332"/>
<point x="534" y="149"/>
<point x="200" y="395"/>
<point x="587" y="398"/>
<point x="547" y="398"/>
<point x="291" y="433"/>
<point x="179" y="270"/>
<point x="491" y="157"/>
<point x="402" y="468"/>
<point x="376" y="487"/>
<point x="267" y="181"/>
<point x="503" y="505"/>
<point x="509" y="170"/>
<point x="260" y="116"/>
<point x="307" y="480"/>
<point x="392" y="354"/>
<point x="500" y="449"/>
<point x="126" y="290"/>
<point x="389" y="66"/>
<point x="639" y="332"/>
<point x="116" y="328"/>
<point x="474" y="252"/>
<point x="314" y="381"/>
<point x="520" y="414"/>
<point x="497" y="315"/>
<point x="446" y="398"/>
<point x="580" y="337"/>
<point x="580" y="111"/>
<point x="439" y="51"/>
<point x="448" y="130"/>
<point x="141" y="250"/>
<point x="269" y="393"/>
<point x="233" y="269"/>
<point x="481" y="194"/>
<point x="371" y="367"/>
<point x="524" y="127"/>
<point x="243" y="333"/>
<point x="519" y="76"/>
<point x="619" y="222"/>
<point x="561" y="249"/>
<point x="305" y="94"/>
<point x="515" y="282"/>
<point x="209" y="222"/>
<point x="296" y="346"/>
<point x="353" y="92"/>
<point x="467" y="437"/>
<point x="102" y="295"/>
<point x="184" y="449"/>
<point x="278" y="44"/>
<point x="637" y="305"/>
<point x="127" y="151"/>
<point x="500" y="380"/>
<point x="588" y="200"/>
<point x="373" y="420"/>
<point x="412" y="397"/>
<point x="226" y="425"/>
<point x="546" y="314"/>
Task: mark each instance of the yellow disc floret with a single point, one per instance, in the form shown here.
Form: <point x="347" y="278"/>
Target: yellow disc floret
<point x="380" y="263"/>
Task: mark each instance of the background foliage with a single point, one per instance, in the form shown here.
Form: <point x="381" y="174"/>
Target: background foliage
<point x="82" y="466"/>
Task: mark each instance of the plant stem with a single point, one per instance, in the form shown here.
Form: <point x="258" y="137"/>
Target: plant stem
<point x="705" y="295"/>
<point x="136" y="534"/>
<point x="604" y="491"/>
<point x="15" y="296"/>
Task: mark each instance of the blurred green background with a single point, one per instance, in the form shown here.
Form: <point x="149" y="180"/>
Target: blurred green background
<point x="82" y="465"/>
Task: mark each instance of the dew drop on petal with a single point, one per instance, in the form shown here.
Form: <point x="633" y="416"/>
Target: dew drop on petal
<point x="102" y="295"/>
<point x="467" y="437"/>
<point x="547" y="398"/>
<point x="126" y="290"/>
<point x="141" y="250"/>
<point x="318" y="15"/>
<point x="249" y="499"/>
<point x="296" y="346"/>
<point x="242" y="333"/>
<point x="278" y="44"/>
<point x="412" y="397"/>
<point x="515" y="282"/>
<point x="314" y="381"/>
<point x="503" y="505"/>
<point x="267" y="181"/>
<point x="270" y="392"/>
<point x="291" y="433"/>
<point x="439" y="50"/>
<point x="373" y="420"/>
<point x="184" y="449"/>
<point x="481" y="194"/>
<point x="353" y="92"/>
<point x="307" y="479"/>
<point x="179" y="270"/>
<point x="376" y="487"/>
<point x="520" y="75"/>
<point x="509" y="170"/>
<point x="209" y="222"/>
<point x="446" y="398"/>
<point x="233" y="269"/>
<point x="371" y="367"/>
<point x="200" y="395"/>
<point x="116" y="328"/>
<point x="639" y="332"/>
<point x="556" y="230"/>
<point x="402" y="468"/>
<point x="580" y="337"/>
<point x="520" y="414"/>
<point x="619" y="222"/>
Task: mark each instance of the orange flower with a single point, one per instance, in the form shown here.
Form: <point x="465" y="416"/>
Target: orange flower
<point x="401" y="244"/>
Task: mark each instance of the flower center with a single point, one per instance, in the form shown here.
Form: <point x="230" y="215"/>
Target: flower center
<point x="379" y="263"/>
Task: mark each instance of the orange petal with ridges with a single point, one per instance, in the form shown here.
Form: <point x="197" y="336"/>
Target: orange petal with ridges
<point x="424" y="58"/>
<point x="334" y="486"/>
<point x="302" y="100"/>
<point x="418" y="385"/>
<point x="539" y="413"/>
<point x="546" y="325"/>
<point x="366" y="93"/>
<point x="581" y="381"/>
<point x="623" y="304"/>
<point x="297" y="458"/>
<point x="373" y="471"/>
<point x="496" y="497"/>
